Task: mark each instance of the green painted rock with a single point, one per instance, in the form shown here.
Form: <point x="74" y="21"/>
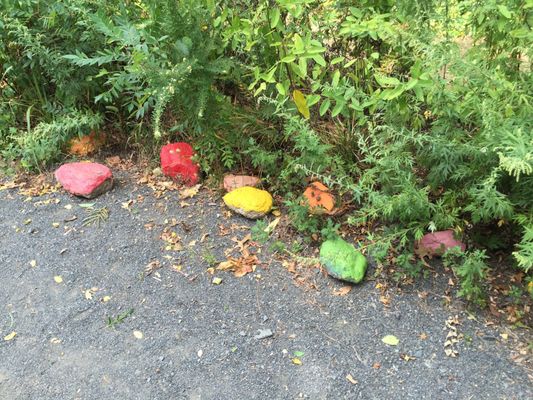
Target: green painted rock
<point x="342" y="260"/>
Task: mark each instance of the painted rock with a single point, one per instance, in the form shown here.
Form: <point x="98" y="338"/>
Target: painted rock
<point x="86" y="144"/>
<point x="436" y="243"/>
<point x="318" y="199"/>
<point x="232" y="182"/>
<point x="249" y="201"/>
<point x="87" y="180"/>
<point x="176" y="162"/>
<point x="342" y="260"/>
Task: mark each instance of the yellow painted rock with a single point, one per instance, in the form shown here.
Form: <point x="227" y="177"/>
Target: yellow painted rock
<point x="249" y="201"/>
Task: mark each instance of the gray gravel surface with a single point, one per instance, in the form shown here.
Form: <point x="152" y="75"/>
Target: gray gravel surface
<point x="200" y="340"/>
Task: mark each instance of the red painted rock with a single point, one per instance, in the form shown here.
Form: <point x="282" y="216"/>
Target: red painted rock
<point x="176" y="162"/>
<point x="85" y="179"/>
<point x="232" y="182"/>
<point x="436" y="243"/>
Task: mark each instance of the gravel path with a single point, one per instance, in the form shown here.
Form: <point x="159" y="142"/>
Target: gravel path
<point x="176" y="335"/>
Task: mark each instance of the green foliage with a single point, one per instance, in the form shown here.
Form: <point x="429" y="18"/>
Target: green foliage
<point x="471" y="270"/>
<point x="419" y="111"/>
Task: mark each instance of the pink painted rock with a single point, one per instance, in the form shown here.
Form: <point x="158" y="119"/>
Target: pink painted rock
<point x="436" y="243"/>
<point x="176" y="162"/>
<point x="87" y="180"/>
<point x="232" y="182"/>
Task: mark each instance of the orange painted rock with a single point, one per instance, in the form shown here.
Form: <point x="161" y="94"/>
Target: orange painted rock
<point x="232" y="182"/>
<point x="86" y="144"/>
<point x="319" y="199"/>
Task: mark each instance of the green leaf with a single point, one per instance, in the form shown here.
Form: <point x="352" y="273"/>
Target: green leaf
<point x="390" y="94"/>
<point x="281" y="89"/>
<point x="338" y="108"/>
<point x="312" y="99"/>
<point x="390" y="340"/>
<point x="504" y="11"/>
<point x="319" y="60"/>
<point x="386" y="81"/>
<point x="288" y="59"/>
<point x="337" y="60"/>
<point x="349" y="63"/>
<point x="324" y="107"/>
<point x="298" y="353"/>
<point x="335" y="79"/>
<point x="301" y="103"/>
<point x="274" y="17"/>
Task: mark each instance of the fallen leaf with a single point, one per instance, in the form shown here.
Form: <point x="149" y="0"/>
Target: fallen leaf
<point x="343" y="291"/>
<point x="270" y="228"/>
<point x="55" y="340"/>
<point x="350" y="379"/>
<point x="152" y="267"/>
<point x="423" y="336"/>
<point x="504" y="336"/>
<point x="189" y="192"/>
<point x="276" y="213"/>
<point x="390" y="340"/>
<point x="296" y="361"/>
<point x="11" y="336"/>
<point x="33" y="263"/>
<point x="138" y="334"/>
<point x="407" y="357"/>
<point x="376" y="365"/>
<point x="58" y="279"/>
<point x="105" y="299"/>
<point x="55" y="224"/>
<point x="217" y="280"/>
<point x="27" y="222"/>
<point x="240" y="266"/>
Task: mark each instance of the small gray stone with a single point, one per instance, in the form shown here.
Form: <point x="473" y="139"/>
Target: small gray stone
<point x="263" y="334"/>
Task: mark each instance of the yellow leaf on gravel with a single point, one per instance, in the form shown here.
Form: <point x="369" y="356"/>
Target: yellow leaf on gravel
<point x="390" y="340"/>
<point x="351" y="379"/>
<point x="11" y="336"/>
<point x="217" y="281"/>
<point x="33" y="263"/>
<point x="138" y="334"/>
<point x="105" y="299"/>
<point x="296" y="361"/>
<point x="58" y="279"/>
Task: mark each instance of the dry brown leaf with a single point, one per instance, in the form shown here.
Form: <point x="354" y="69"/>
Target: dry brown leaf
<point x="343" y="291"/>
<point x="190" y="192"/>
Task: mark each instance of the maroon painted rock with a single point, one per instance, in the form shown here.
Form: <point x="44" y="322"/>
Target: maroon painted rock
<point x="176" y="162"/>
<point x="232" y="182"/>
<point x="84" y="179"/>
<point x="436" y="243"/>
